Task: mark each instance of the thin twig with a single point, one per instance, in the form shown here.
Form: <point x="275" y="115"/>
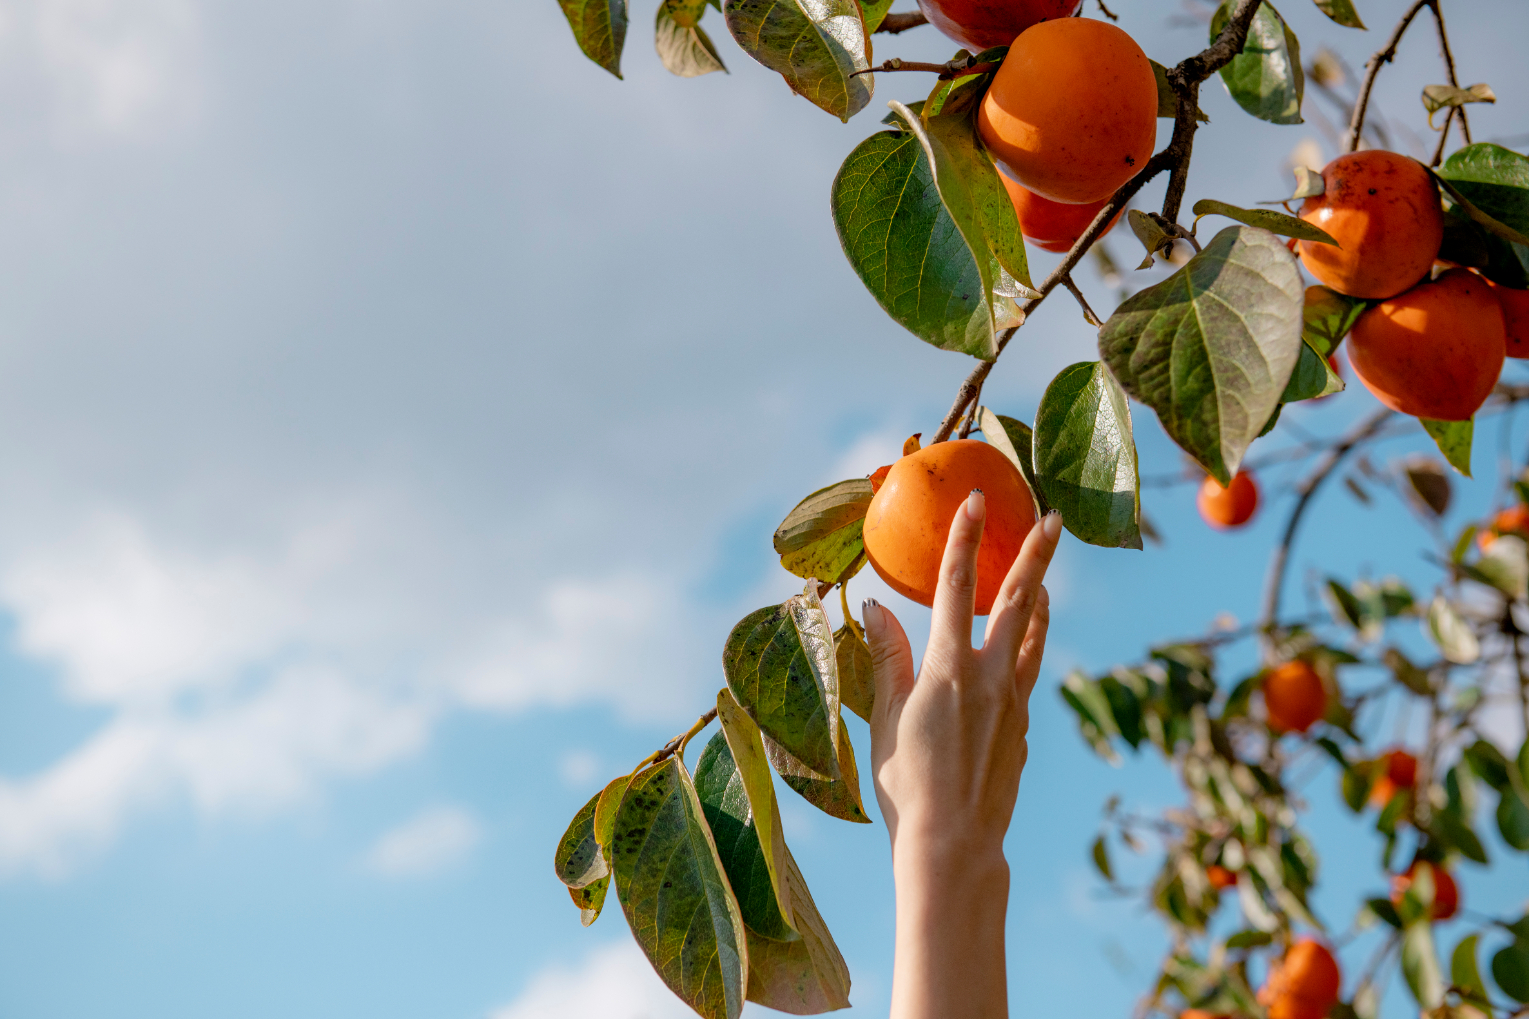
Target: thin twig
<point x="1107" y="12"/>
<point x="954" y="69"/>
<point x="1372" y="70"/>
<point x="1449" y="65"/>
<point x="1438" y="153"/>
<point x="1088" y="313"/>
<point x="901" y="21"/>
<point x="971" y="418"/>
<point x="1187" y="77"/>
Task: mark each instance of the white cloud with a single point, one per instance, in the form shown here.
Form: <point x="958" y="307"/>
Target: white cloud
<point x="615" y="982"/>
<point x="579" y="767"/>
<point x="426" y="844"/>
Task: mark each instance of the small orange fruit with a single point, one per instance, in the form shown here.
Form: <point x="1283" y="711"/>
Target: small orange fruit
<point x="1220" y="878"/>
<point x="1229" y="507"/>
<point x="1434" y="351"/>
<point x="1383" y="210"/>
<point x="908" y="521"/>
<point x="982" y="24"/>
<point x="1513" y="520"/>
<point x="1200" y="1013"/>
<point x="1446" y="894"/>
<point x="1399" y="771"/>
<point x="1072" y="112"/>
<point x="1515" y="317"/>
<point x="1302" y="985"/>
<point x="1294" y="696"/>
<point x="1053" y="226"/>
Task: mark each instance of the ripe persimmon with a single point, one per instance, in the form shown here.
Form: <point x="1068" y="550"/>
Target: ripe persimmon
<point x="1302" y="985"/>
<point x="1294" y="696"/>
<point x="1398" y="771"/>
<point x="1072" y="112"/>
<point x="1515" y="317"/>
<point x="1446" y="894"/>
<point x="1383" y="210"/>
<point x="909" y="518"/>
<point x="1513" y="520"/>
<point x="1200" y="1013"/>
<point x="1220" y="878"/>
<point x="1434" y="351"/>
<point x="1229" y="507"/>
<point x="1054" y="226"/>
<point x="982" y="24"/>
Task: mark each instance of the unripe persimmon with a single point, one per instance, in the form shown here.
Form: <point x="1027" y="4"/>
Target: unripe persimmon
<point x="1294" y="696"/>
<point x="1446" y="894"/>
<point x="1302" y="985"/>
<point x="1383" y="210"/>
<point x="1515" y="317"/>
<point x="1229" y="507"/>
<point x="1220" y="878"/>
<point x="1072" y="112"/>
<point x="982" y="24"/>
<point x="1053" y="226"/>
<point x="1434" y="351"/>
<point x="1399" y="771"/>
<point x="909" y="518"/>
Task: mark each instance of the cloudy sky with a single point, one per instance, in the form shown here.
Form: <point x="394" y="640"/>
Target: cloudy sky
<point x="394" y="412"/>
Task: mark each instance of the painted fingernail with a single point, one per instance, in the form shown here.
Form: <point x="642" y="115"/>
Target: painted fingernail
<point x="1052" y="525"/>
<point x="976" y="504"/>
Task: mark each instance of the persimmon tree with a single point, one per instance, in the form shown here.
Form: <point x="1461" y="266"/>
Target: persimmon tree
<point x="1423" y="268"/>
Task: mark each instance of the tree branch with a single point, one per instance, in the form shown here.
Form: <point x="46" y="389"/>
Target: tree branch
<point x="1088" y="313"/>
<point x="897" y="22"/>
<point x="1372" y="70"/>
<point x="1449" y="65"/>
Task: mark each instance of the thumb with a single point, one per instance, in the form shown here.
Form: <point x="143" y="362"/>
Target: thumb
<point x="891" y="657"/>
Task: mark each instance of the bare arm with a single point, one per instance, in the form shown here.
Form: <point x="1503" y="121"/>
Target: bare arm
<point x="947" y="749"/>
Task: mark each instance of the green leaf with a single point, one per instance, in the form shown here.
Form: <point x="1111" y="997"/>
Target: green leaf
<point x="1510" y="968"/>
<point x="675" y="893"/>
<point x="821" y="537"/>
<point x="606" y="806"/>
<point x="1168" y="99"/>
<point x="908" y="251"/>
<point x="1355" y="786"/>
<point x="839" y="797"/>
<point x="590" y="899"/>
<point x="1095" y="718"/>
<point x="807" y="976"/>
<point x="1249" y="939"/>
<point x="1101" y="855"/>
<point x="1313" y="377"/>
<point x="1212" y="347"/>
<point x="1505" y="565"/>
<point x="1266" y="78"/>
<point x="857" y="683"/>
<point x="1490" y="223"/>
<point x="578" y="860"/>
<point x="815" y="46"/>
<point x="1085" y="456"/>
<point x="686" y="50"/>
<point x="1275" y="222"/>
<point x="1327" y="316"/>
<point x="1454" y="440"/>
<point x="599" y="27"/>
<point x="1464" y="974"/>
<point x="780" y="664"/>
<point x="1384" y="911"/>
<point x="1489" y="763"/>
<point x="1513" y="819"/>
<point x="1013" y="439"/>
<point x="740" y="807"/>
<point x="874" y="12"/>
<point x="1455" y="831"/>
<point x="1451" y="633"/>
<point x="1151" y="230"/>
<point x="1496" y="182"/>
<point x="1420" y="964"/>
<point x="1341" y="11"/>
<point x="1407" y="674"/>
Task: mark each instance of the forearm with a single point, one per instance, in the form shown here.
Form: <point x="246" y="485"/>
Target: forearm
<point x="950" y="918"/>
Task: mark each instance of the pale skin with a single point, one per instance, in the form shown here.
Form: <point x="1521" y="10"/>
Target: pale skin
<point x="947" y="750"/>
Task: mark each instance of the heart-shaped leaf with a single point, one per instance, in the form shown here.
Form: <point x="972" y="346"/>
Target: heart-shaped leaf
<point x="1275" y="222"/>
<point x="675" y="893"/>
<point x="816" y="45"/>
<point x="686" y="50"/>
<point x="1266" y="78"/>
<point x="821" y="537"/>
<point x="803" y="977"/>
<point x="1212" y="347"/>
<point x="1014" y="439"/>
<point x="1341" y="11"/>
<point x="599" y="27"/>
<point x="1454" y="440"/>
<point x="1085" y="456"/>
<point x="578" y="861"/>
<point x="906" y="248"/>
<point x="780" y="665"/>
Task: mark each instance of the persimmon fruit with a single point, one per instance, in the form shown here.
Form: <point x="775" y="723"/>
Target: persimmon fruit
<point x="1054" y="226"/>
<point x="1433" y="352"/>
<point x="1294" y="696"/>
<point x="1398" y="771"/>
<point x="1383" y="210"/>
<point x="1446" y="894"/>
<point x="1229" y="507"/>
<point x="909" y="518"/>
<point x="982" y="24"/>
<point x="1200" y="1013"/>
<point x="1302" y="985"/>
<point x="1220" y="878"/>
<point x="1515" y="317"/>
<point x="1072" y="112"/>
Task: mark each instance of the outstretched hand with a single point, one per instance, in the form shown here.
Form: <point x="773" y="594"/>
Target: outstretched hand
<point x="947" y="750"/>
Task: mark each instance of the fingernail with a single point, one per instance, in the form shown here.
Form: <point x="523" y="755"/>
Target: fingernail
<point x="976" y="504"/>
<point x="1052" y="525"/>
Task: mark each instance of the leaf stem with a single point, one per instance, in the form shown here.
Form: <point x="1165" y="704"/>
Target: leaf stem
<point x="677" y="744"/>
<point x="1372" y="70"/>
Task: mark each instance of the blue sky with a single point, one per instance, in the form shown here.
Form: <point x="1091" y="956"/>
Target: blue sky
<point x="394" y="412"/>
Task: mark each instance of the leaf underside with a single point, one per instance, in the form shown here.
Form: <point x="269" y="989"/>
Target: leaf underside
<point x="1266" y="78"/>
<point x="599" y="27"/>
<point x="815" y="46"/>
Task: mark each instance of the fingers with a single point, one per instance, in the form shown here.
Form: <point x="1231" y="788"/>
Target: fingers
<point x="1028" y="666"/>
<point x="891" y="657"/>
<point x="1016" y="601"/>
<point x="955" y="596"/>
